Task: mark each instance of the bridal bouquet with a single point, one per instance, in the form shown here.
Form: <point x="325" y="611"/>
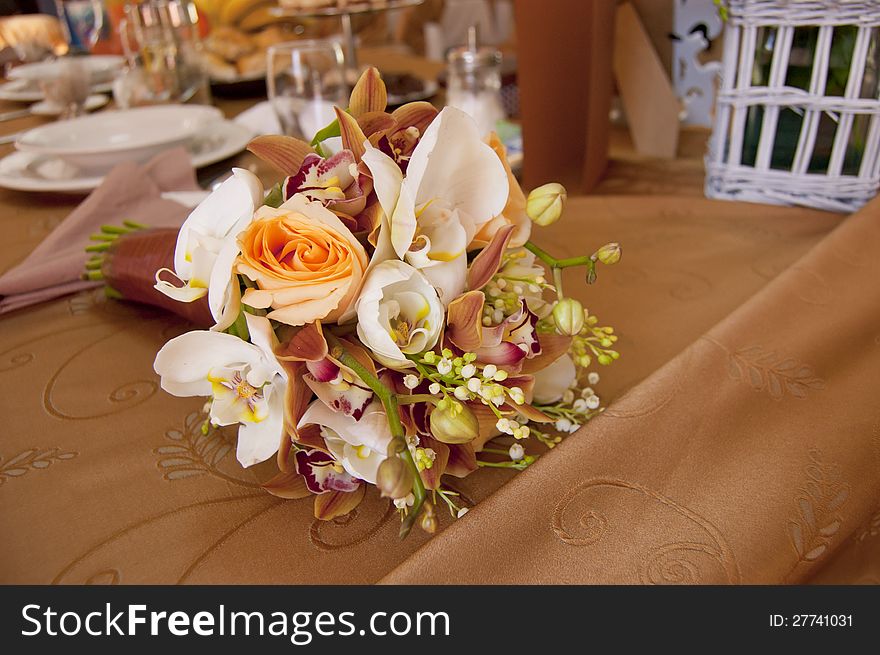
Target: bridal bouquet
<point x="381" y="317"/>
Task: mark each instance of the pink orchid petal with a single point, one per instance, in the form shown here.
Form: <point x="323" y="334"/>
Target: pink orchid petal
<point x="348" y="399"/>
<point x="504" y="354"/>
<point x="525" y="332"/>
<point x="323" y="370"/>
<point x="320" y="475"/>
<point x="486" y="264"/>
<point x="315" y="173"/>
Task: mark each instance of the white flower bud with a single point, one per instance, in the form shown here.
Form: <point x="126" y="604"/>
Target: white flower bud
<point x="593" y="378"/>
<point x="453" y="422"/>
<point x="517" y="395"/>
<point x="403" y="503"/>
<point x="568" y="314"/>
<point x="609" y="254"/>
<point x="544" y="205"/>
<point x="516" y="452"/>
<point x="410" y="381"/>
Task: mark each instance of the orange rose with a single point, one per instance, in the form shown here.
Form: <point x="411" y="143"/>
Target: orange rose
<point x="306" y="264"/>
<point x="514" y="212"/>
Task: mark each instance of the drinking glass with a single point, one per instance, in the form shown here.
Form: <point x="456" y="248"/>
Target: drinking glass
<point x="82" y="21"/>
<point x="474" y="83"/>
<point x="70" y="89"/>
<point x="165" y="55"/>
<point x="305" y="80"/>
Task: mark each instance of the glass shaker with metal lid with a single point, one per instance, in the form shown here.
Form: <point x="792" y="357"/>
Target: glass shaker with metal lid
<point x="474" y="82"/>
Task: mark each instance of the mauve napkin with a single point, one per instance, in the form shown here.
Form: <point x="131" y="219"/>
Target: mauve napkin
<point x="129" y="192"/>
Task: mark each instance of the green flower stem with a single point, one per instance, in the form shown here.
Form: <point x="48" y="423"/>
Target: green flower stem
<point x="496" y="451"/>
<point x="519" y="466"/>
<point x="390" y="403"/>
<point x="416" y="398"/>
<point x="557" y="282"/>
<point x="115" y="229"/>
<point x="551" y="261"/>
<point x="556" y="265"/>
<point x="103" y="241"/>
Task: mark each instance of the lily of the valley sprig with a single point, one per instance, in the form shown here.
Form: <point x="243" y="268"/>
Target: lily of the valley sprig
<point x="380" y="317"/>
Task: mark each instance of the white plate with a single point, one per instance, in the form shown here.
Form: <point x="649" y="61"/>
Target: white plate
<point x="20" y="91"/>
<point x="26" y="171"/>
<point x="93" y="102"/>
<point x="25" y="91"/>
<point x="102" y="68"/>
<point x="101" y="141"/>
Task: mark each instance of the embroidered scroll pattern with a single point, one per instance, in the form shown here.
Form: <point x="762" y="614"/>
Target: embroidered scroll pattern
<point x="585" y="516"/>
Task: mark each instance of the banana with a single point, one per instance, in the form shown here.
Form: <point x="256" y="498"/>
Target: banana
<point x="211" y="8"/>
<point x="258" y="19"/>
<point x="233" y="11"/>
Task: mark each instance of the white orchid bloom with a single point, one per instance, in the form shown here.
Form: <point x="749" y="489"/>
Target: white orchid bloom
<point x="552" y="381"/>
<point x="399" y="313"/>
<point x="207" y="246"/>
<point x="245" y="380"/>
<point x="454" y="184"/>
<point x="359" y="446"/>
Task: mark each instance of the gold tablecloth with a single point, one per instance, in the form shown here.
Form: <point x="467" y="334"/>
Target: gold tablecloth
<point x="742" y="441"/>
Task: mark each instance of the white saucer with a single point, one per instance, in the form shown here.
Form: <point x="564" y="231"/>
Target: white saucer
<point x="93" y="102"/>
<point x="25" y="171"/>
<point x="20" y="91"/>
<point x="102" y="68"/>
<point x="25" y="91"/>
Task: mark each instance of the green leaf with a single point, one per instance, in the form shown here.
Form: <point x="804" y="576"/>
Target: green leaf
<point x="275" y="197"/>
<point x="239" y="328"/>
<point x="325" y="133"/>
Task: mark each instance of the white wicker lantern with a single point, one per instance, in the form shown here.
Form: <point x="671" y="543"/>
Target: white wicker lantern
<point x="798" y="112"/>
